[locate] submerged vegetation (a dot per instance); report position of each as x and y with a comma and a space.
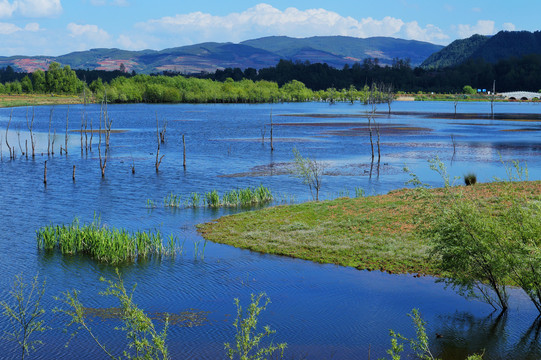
105, 244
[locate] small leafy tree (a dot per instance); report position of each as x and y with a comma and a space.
144, 341
25, 314
419, 344
468, 90
309, 171
467, 239
247, 341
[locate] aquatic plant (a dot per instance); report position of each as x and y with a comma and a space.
359, 192
195, 199
25, 314
144, 341
232, 198
247, 341
212, 198
172, 200
150, 204
198, 251
309, 171
101, 243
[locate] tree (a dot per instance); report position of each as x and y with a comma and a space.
38, 81
26, 85
309, 171
246, 340
471, 241
468, 90
25, 314
144, 340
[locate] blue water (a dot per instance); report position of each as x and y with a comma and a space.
321, 311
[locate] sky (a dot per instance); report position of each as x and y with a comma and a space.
56, 27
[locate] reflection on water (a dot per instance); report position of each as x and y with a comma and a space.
321, 311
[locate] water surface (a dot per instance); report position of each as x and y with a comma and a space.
321, 311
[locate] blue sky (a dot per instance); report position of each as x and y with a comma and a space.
55, 27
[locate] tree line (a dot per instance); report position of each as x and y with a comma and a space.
511, 74
287, 81
137, 88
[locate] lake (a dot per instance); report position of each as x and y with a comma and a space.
321, 311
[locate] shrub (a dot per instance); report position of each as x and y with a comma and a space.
470, 179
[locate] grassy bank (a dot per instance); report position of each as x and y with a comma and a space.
38, 99
378, 232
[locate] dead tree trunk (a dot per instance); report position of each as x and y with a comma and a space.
162, 133
91, 135
45, 173
49, 133
158, 158
30, 127
11, 153
183, 152
371, 140
52, 144
107, 123
19, 140
82, 129
377, 132
66, 138
271, 128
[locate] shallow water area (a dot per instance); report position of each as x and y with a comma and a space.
321, 311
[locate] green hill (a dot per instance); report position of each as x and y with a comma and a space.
502, 46
336, 51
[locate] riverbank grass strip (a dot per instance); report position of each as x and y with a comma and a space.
104, 244
377, 232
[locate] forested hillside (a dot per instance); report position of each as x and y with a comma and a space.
502, 46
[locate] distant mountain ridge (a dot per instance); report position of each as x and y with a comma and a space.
501, 46
259, 53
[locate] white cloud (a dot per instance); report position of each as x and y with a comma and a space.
265, 20
7, 28
30, 8
476, 9
39, 8
125, 42
6, 8
113, 2
483, 27
33, 27
430, 33
88, 36
509, 26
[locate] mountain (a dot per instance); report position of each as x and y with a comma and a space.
336, 51
344, 49
455, 53
492, 49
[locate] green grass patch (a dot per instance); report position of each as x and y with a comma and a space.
246, 197
105, 244
377, 232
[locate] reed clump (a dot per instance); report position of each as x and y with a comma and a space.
105, 244
233, 198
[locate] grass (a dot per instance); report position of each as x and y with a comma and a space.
105, 244
38, 99
376, 232
239, 197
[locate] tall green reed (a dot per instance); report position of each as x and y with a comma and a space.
104, 244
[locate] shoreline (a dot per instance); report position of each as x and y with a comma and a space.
381, 232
